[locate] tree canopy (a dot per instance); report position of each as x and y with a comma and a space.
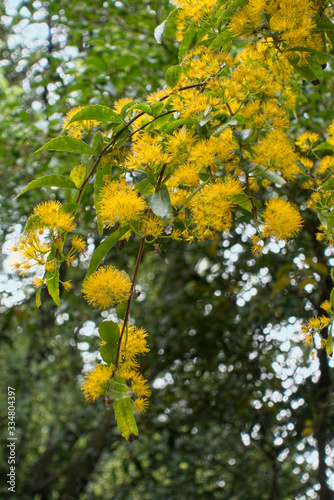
168, 169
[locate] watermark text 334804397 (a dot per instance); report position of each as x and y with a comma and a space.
11, 440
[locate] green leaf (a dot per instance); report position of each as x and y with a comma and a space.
118, 389
52, 282
78, 175
161, 205
327, 26
69, 208
142, 107
177, 124
108, 353
68, 144
323, 145
242, 135
54, 180
109, 332
98, 142
95, 112
332, 274
328, 185
126, 420
124, 111
243, 201
104, 248
121, 310
156, 109
220, 40
188, 41
271, 176
331, 298
306, 72
173, 75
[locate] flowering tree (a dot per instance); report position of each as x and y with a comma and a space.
212, 148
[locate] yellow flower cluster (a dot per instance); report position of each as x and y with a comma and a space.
96, 382
292, 21
120, 202
99, 381
211, 207
276, 152
49, 223
191, 10
282, 220
106, 287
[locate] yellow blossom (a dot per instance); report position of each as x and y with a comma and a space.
282, 219
96, 381
118, 105
153, 226
50, 215
120, 202
78, 243
327, 163
140, 405
67, 285
326, 305
306, 140
106, 287
276, 152
38, 282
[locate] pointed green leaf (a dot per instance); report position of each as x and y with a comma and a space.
242, 135
161, 205
95, 112
271, 176
109, 332
52, 282
104, 248
68, 144
108, 353
49, 180
332, 274
177, 124
220, 40
98, 142
126, 420
140, 106
243, 201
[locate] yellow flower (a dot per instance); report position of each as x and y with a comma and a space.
120, 202
153, 226
327, 163
306, 140
118, 105
67, 285
276, 152
106, 287
282, 219
78, 243
326, 305
139, 385
140, 405
50, 215
96, 381
38, 282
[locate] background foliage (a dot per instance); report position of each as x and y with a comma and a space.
239, 410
